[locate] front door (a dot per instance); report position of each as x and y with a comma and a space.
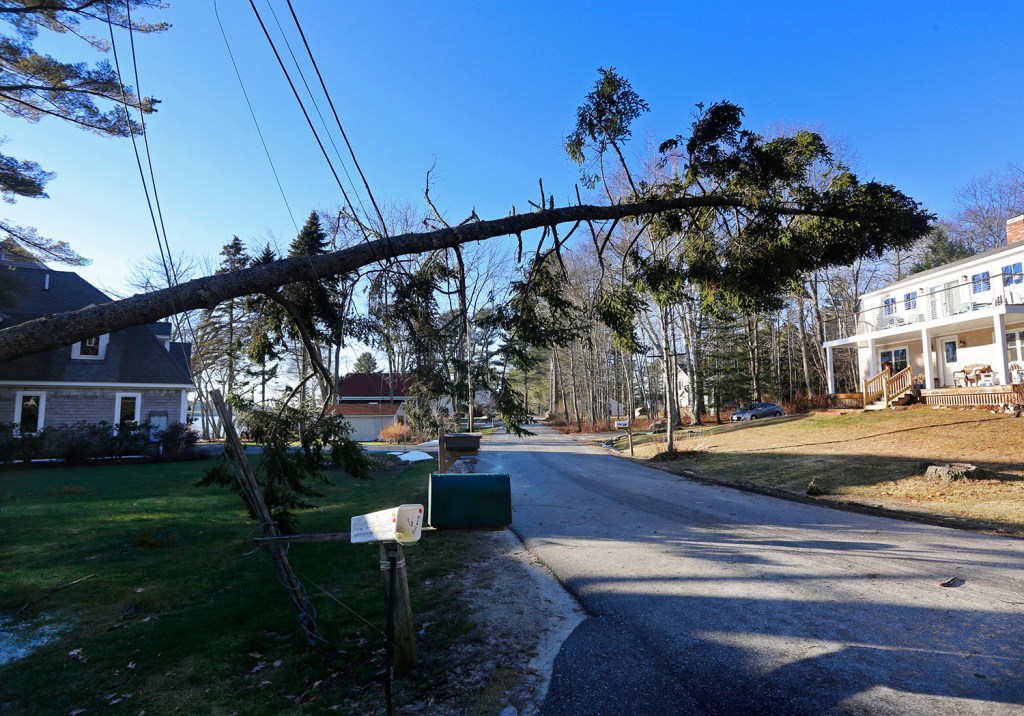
948, 358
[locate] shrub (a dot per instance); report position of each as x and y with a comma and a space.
397, 433
804, 404
8, 444
78, 443
131, 438
177, 439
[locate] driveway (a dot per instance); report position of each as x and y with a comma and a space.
708, 600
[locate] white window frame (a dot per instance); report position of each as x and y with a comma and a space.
76, 349
117, 407
19, 396
892, 351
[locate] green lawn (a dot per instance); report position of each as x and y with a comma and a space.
179, 615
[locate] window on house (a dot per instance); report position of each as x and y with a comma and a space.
126, 408
897, 358
910, 301
1013, 273
1015, 347
980, 282
889, 306
28, 412
91, 348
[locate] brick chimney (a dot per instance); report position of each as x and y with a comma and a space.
1015, 229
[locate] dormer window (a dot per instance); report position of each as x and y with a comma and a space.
91, 348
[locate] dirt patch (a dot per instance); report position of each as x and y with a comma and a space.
520, 617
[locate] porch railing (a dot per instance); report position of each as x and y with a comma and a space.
897, 385
1003, 289
886, 386
875, 387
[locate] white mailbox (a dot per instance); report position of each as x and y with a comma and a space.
621, 424
402, 524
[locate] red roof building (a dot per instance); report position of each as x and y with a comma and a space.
375, 387
352, 408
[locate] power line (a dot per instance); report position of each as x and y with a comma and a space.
316, 106
334, 111
166, 261
312, 128
252, 113
135, 146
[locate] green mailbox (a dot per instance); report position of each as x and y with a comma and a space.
460, 501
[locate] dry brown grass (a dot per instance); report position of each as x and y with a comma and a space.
874, 458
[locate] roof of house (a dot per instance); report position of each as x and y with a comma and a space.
364, 386
12, 254
133, 356
365, 408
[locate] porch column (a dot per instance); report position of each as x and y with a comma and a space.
830, 370
872, 369
1002, 362
929, 369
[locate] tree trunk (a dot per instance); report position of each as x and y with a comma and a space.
575, 393
803, 345
56, 330
671, 416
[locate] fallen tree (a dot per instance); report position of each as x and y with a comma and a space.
864, 231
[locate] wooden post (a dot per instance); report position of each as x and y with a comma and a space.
441, 457
254, 498
403, 635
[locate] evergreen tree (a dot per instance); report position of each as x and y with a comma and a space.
940, 249
35, 85
220, 329
365, 363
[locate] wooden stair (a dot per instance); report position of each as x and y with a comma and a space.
885, 391
903, 399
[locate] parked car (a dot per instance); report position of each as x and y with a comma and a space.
757, 410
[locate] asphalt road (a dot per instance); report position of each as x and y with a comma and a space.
710, 600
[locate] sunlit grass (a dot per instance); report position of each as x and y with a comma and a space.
874, 457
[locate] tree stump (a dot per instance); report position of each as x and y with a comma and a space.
956, 471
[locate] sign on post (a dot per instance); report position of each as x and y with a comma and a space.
621, 424
402, 524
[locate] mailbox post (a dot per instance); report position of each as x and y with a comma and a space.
451, 447
627, 425
392, 528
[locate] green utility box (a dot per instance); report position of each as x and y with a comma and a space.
469, 501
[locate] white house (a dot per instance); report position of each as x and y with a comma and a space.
938, 322
368, 419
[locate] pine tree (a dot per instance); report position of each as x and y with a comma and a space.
35, 85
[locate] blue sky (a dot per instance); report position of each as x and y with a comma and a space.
926, 94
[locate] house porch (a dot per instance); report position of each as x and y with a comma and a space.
937, 350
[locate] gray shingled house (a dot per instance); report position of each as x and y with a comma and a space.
134, 374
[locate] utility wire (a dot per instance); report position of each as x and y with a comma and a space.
135, 146
252, 113
323, 85
166, 261
145, 142
312, 128
316, 106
